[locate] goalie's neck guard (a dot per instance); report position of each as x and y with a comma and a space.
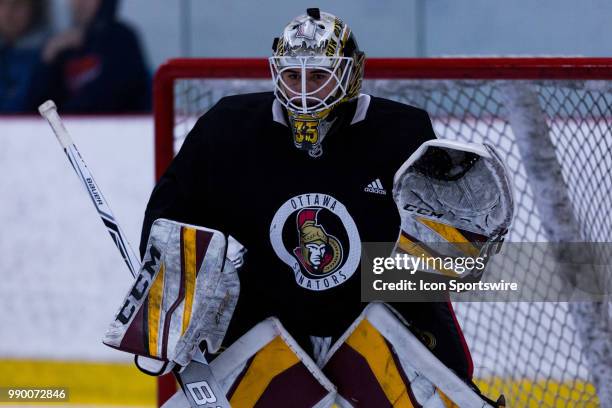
309, 131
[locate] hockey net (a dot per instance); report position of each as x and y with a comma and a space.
540, 354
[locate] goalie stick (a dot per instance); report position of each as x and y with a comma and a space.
196, 379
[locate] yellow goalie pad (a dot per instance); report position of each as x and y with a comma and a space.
378, 362
266, 368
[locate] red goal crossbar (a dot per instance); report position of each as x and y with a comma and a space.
375, 68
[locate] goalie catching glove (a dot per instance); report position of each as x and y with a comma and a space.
185, 293
455, 201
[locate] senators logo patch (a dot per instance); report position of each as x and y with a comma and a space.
316, 236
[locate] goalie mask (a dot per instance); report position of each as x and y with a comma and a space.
316, 67
455, 203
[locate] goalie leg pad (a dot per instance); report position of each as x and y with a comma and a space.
267, 368
185, 293
379, 362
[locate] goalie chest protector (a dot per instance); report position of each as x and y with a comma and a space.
302, 219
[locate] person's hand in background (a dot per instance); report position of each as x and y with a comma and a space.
72, 38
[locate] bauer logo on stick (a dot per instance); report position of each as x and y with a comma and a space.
201, 392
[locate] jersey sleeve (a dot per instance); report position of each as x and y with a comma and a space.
436, 321
427, 132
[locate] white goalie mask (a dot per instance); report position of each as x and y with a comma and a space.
316, 66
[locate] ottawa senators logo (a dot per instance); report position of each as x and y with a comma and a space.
319, 252
315, 235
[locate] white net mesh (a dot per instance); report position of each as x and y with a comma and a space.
533, 352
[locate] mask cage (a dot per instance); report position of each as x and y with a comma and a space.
298, 100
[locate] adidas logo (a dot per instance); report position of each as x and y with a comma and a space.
375, 187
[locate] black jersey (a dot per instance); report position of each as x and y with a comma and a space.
302, 219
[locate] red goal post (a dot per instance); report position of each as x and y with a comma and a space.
550, 363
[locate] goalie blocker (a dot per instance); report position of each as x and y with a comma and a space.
184, 294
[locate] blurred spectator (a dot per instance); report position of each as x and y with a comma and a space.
97, 66
23, 26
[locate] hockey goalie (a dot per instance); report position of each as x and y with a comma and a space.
252, 241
